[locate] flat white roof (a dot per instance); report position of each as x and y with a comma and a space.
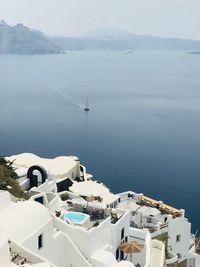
58, 166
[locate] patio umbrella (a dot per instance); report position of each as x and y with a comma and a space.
89, 188
131, 247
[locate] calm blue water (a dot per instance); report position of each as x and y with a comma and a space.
143, 130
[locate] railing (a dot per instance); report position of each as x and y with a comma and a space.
124, 195
158, 227
171, 258
159, 205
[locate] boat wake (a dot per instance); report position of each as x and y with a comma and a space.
66, 98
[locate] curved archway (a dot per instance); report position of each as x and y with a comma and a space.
34, 178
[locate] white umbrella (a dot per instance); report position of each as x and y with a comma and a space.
147, 211
88, 189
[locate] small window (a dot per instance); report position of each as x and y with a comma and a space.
126, 238
40, 241
117, 254
179, 255
40, 200
122, 233
165, 219
121, 255
178, 238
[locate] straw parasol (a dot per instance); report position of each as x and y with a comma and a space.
131, 247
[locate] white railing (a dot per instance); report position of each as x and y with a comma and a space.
124, 195
172, 258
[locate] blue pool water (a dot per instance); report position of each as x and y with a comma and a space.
76, 217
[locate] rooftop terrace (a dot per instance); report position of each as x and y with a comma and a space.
147, 212
79, 212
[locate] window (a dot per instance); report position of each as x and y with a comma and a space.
40, 241
126, 238
121, 255
122, 233
179, 255
40, 200
117, 254
148, 219
178, 238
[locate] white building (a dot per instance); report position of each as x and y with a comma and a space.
84, 225
164, 223
11, 255
48, 174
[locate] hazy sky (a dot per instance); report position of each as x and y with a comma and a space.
176, 18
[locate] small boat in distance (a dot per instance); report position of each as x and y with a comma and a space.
127, 52
87, 108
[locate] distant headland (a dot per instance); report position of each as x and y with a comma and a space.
20, 39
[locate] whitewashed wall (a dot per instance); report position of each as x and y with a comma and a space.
182, 227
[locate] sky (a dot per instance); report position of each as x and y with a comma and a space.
165, 18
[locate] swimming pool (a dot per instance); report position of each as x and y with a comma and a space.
76, 217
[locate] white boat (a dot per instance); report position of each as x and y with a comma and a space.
128, 52
87, 108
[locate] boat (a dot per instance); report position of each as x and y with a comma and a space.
86, 108
127, 52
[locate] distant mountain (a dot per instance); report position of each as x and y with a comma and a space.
116, 39
108, 33
22, 40
133, 43
194, 53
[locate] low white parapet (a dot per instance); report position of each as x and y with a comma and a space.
124, 195
158, 253
172, 258
29, 255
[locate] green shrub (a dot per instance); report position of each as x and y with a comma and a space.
8, 179
64, 196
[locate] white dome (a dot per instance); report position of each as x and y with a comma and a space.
21, 219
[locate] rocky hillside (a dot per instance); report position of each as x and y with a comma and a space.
22, 40
8, 180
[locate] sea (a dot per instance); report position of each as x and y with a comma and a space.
142, 132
